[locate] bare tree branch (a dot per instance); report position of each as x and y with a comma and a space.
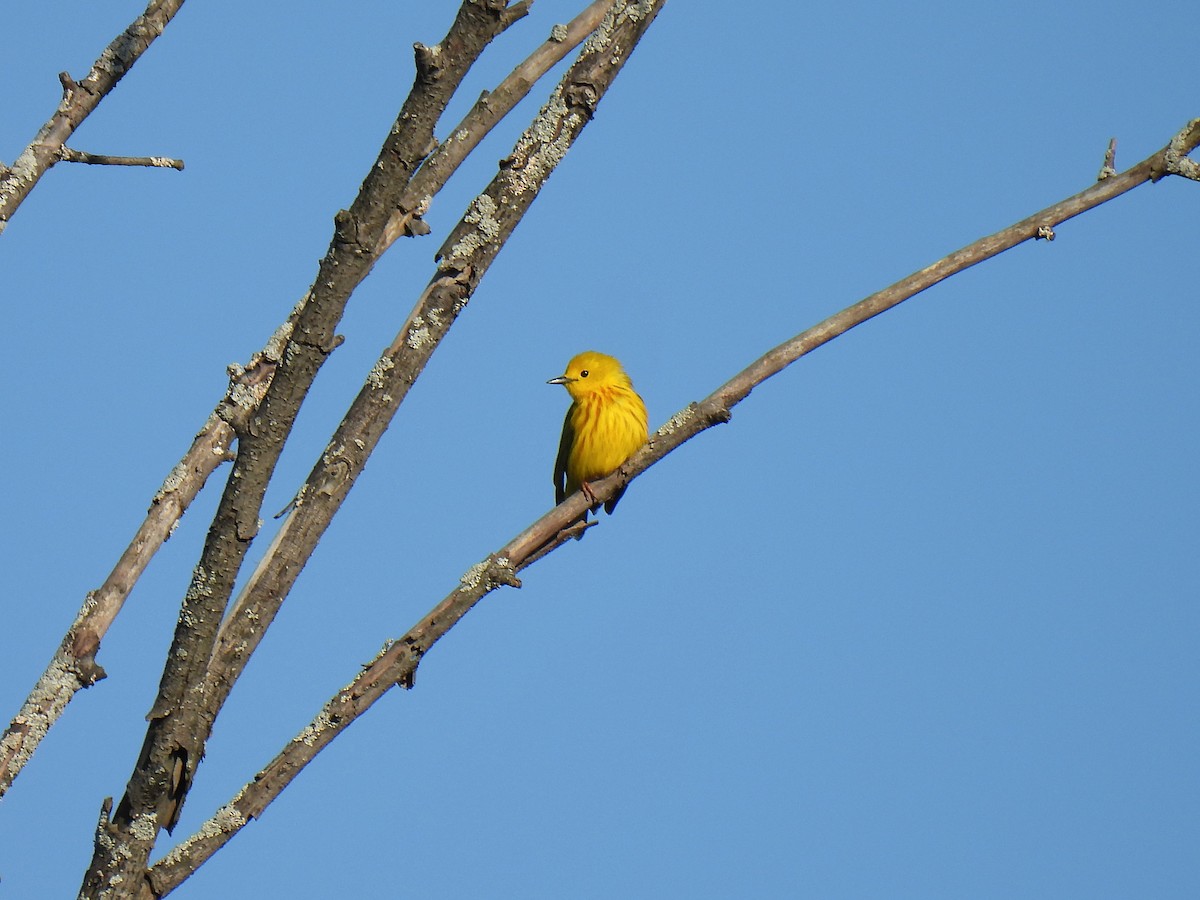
66, 154
78, 101
469, 251
182, 718
209, 658
73, 667
487, 111
472, 247
397, 662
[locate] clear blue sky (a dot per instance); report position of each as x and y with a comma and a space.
921, 621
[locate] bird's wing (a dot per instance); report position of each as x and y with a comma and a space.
560, 464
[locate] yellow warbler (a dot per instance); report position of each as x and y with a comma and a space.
606, 423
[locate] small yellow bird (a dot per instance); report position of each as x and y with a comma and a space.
606, 423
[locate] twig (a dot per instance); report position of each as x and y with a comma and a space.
73, 666
397, 662
78, 101
1110, 161
66, 154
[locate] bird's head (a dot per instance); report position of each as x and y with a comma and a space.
589, 372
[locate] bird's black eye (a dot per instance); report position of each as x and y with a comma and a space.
583, 374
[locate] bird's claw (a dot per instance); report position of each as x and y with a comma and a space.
588, 493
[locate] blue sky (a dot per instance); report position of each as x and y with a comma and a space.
921, 621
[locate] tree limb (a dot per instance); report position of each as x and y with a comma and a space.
474, 244
397, 662
470, 249
78, 101
73, 667
181, 718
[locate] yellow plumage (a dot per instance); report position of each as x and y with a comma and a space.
606, 423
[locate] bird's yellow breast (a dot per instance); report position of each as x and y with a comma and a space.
608, 425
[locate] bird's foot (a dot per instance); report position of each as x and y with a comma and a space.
588, 493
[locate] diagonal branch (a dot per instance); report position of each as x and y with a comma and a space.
473, 245
73, 667
78, 101
487, 111
181, 718
397, 662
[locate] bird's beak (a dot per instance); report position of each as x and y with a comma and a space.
561, 379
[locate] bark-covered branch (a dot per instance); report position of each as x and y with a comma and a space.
474, 244
487, 111
78, 100
73, 666
67, 154
397, 662
469, 251
182, 716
